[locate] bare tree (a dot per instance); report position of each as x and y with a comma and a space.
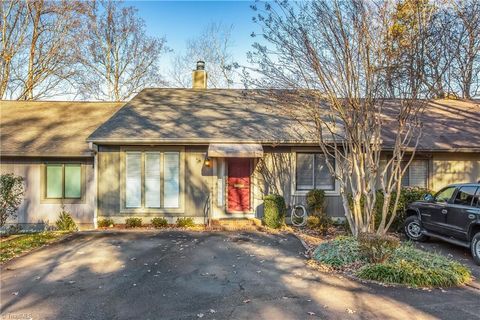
213, 46
334, 60
14, 25
466, 33
117, 58
37, 41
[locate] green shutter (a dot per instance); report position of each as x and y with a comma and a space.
54, 181
73, 181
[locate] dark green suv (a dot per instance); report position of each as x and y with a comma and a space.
452, 215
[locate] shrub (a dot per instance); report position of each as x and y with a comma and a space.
320, 223
185, 222
159, 222
338, 252
376, 248
133, 222
11, 195
316, 202
417, 268
275, 211
65, 221
407, 196
105, 223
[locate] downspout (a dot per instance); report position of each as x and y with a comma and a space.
94, 149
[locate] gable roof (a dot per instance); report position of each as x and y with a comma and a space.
198, 117
50, 128
188, 116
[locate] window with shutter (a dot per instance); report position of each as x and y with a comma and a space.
416, 174
323, 179
312, 172
304, 171
152, 179
172, 180
133, 183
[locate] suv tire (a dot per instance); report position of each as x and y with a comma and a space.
475, 247
413, 229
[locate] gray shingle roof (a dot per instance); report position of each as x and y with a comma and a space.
220, 115
50, 128
198, 116
186, 116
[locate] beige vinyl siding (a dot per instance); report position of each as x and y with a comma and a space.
447, 168
35, 208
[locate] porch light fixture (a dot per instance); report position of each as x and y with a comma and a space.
207, 162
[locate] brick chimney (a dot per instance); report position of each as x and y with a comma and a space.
200, 76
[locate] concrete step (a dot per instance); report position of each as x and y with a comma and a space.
235, 224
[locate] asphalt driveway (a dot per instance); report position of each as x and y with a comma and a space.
182, 275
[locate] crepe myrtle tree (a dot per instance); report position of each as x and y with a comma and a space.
334, 60
11, 196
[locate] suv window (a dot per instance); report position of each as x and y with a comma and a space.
444, 195
465, 196
476, 199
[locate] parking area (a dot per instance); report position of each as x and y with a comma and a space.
458, 253
208, 275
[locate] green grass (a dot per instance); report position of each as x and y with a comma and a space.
10, 248
407, 265
417, 268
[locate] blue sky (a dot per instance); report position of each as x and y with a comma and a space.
179, 21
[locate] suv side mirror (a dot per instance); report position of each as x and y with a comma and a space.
428, 197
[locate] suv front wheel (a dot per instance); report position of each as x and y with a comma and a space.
413, 229
475, 247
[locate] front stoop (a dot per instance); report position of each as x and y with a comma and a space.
231, 224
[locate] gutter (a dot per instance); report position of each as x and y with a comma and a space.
46, 155
94, 149
199, 141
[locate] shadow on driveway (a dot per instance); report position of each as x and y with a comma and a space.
187, 275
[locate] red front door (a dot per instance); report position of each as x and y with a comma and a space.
238, 187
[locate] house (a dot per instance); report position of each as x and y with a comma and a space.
196, 152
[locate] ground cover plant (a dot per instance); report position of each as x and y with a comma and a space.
393, 263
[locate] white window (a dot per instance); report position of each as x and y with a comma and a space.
312, 172
133, 181
416, 174
172, 181
152, 179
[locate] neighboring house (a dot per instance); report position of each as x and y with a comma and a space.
191, 152
45, 142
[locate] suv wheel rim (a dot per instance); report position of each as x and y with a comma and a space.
414, 230
477, 248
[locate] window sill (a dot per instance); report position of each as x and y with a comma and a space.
305, 192
151, 211
62, 201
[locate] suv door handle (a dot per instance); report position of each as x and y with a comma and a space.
444, 211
